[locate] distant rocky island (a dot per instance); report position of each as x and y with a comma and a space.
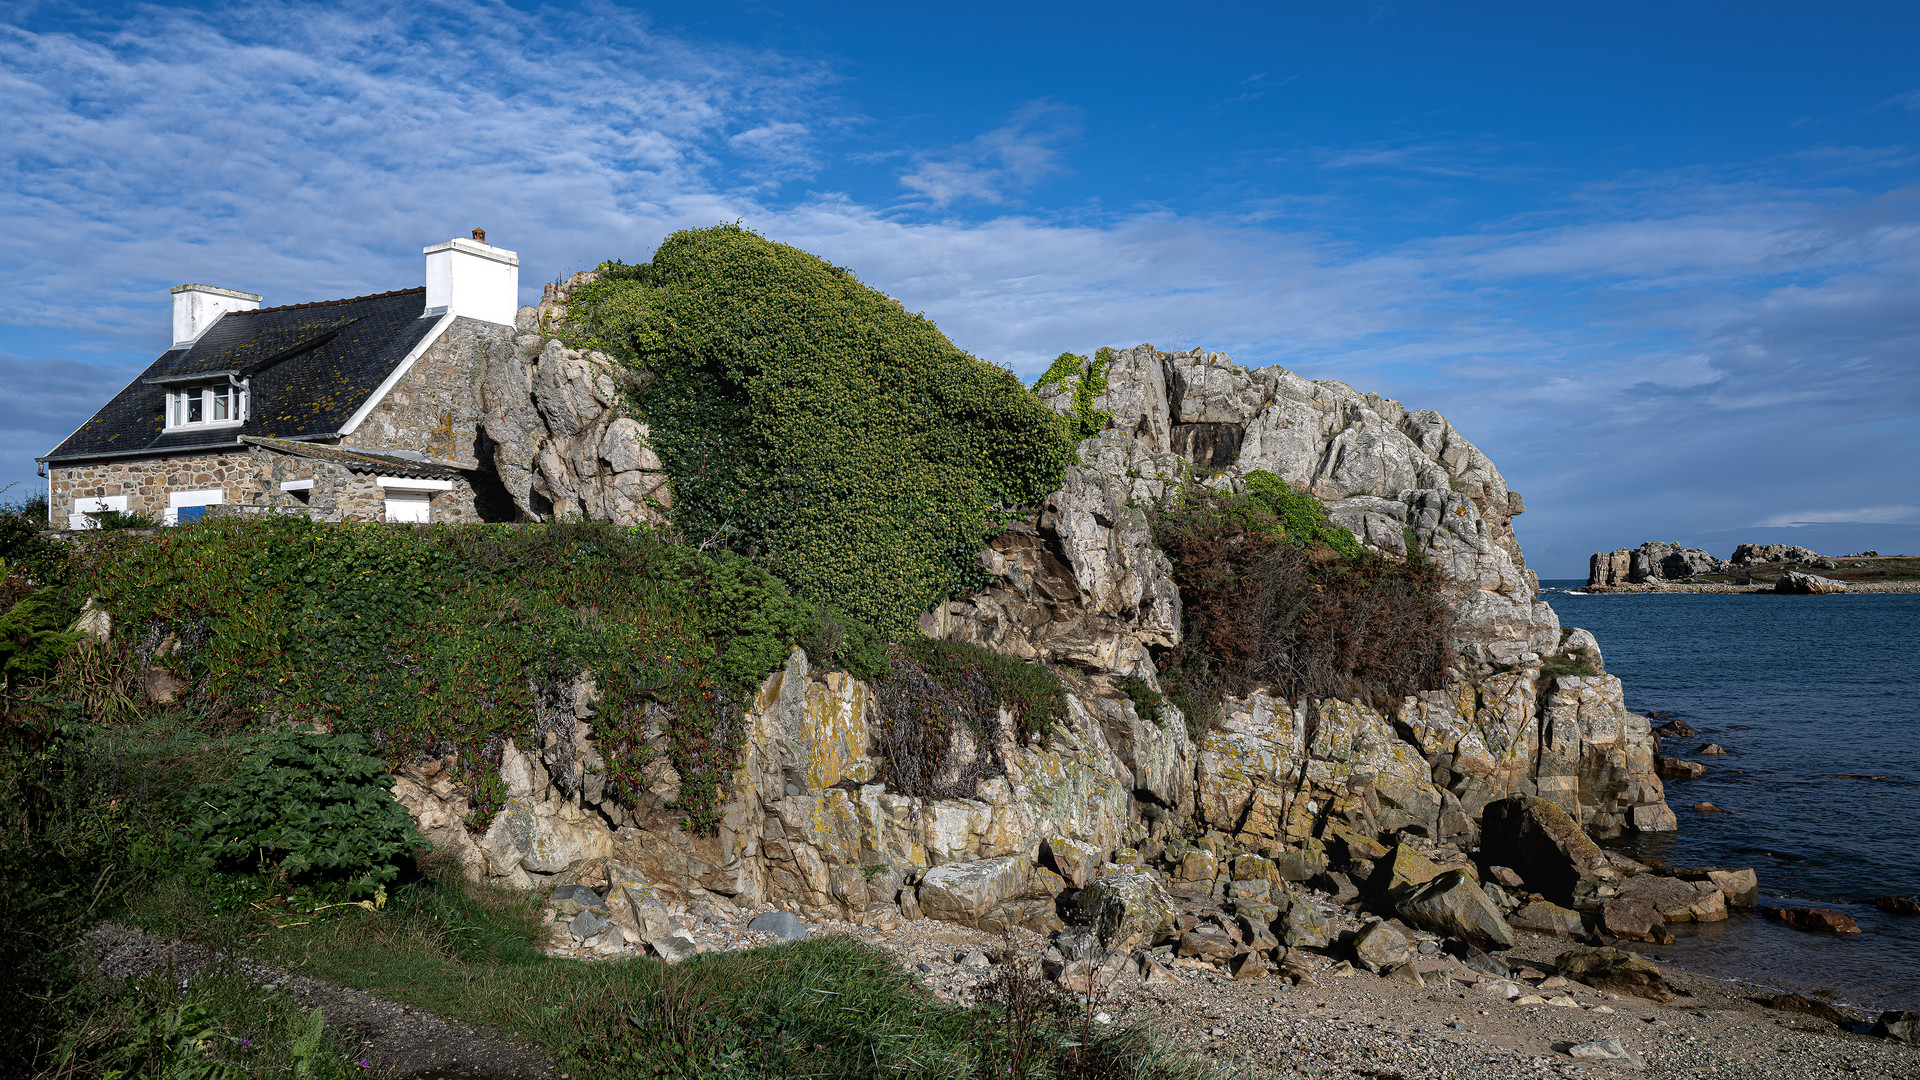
1658, 566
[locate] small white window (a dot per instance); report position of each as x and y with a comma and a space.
187, 506
219, 405
409, 506
410, 499
86, 512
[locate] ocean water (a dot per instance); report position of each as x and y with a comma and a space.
1816, 700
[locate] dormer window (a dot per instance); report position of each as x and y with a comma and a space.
219, 405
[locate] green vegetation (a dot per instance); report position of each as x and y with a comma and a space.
1275, 596
1302, 517
304, 807
814, 425
1086, 380
437, 640
87, 808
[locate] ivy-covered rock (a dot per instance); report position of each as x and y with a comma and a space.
817, 426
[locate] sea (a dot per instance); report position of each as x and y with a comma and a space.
1816, 700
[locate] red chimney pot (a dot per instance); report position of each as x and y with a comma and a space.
480, 235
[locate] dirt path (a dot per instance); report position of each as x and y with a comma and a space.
401, 1042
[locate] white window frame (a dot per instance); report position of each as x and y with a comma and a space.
178, 500
208, 395
84, 510
412, 494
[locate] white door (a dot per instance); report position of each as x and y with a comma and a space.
409, 506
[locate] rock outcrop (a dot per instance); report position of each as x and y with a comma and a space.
1772, 553
1080, 818
1794, 583
1653, 561
553, 428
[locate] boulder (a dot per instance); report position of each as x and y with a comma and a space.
1800, 1003
1898, 905
1615, 970
1634, 920
1711, 750
1608, 1049
1898, 1024
1817, 920
1403, 870
635, 906
781, 924
1676, 900
1453, 905
1545, 917
1072, 860
1740, 886
1197, 865
1675, 729
1795, 583
964, 892
1208, 945
1674, 768
1505, 877
1249, 965
1306, 926
1129, 909
673, 948
1378, 946
1542, 843
570, 900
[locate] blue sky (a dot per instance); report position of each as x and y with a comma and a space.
1660, 261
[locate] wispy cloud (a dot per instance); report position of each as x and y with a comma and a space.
1865, 515
1001, 164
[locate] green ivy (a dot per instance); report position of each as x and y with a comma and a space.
432, 640
1086, 380
1303, 517
815, 425
309, 808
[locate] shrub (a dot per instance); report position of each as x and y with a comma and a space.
308, 808
1302, 517
937, 687
34, 638
1270, 600
816, 426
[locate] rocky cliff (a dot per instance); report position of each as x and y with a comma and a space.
1083, 589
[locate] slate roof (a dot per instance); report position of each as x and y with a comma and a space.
311, 366
384, 462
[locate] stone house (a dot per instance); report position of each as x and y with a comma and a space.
404, 406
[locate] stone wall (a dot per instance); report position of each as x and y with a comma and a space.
434, 409
250, 481
146, 481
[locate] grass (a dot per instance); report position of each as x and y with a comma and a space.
828, 1007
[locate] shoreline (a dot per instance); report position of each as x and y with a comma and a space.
1717, 587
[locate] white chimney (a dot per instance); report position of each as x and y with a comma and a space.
474, 279
196, 307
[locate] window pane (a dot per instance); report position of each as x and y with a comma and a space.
173, 410
220, 401
195, 407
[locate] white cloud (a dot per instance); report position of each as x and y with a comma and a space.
999, 165
1863, 515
